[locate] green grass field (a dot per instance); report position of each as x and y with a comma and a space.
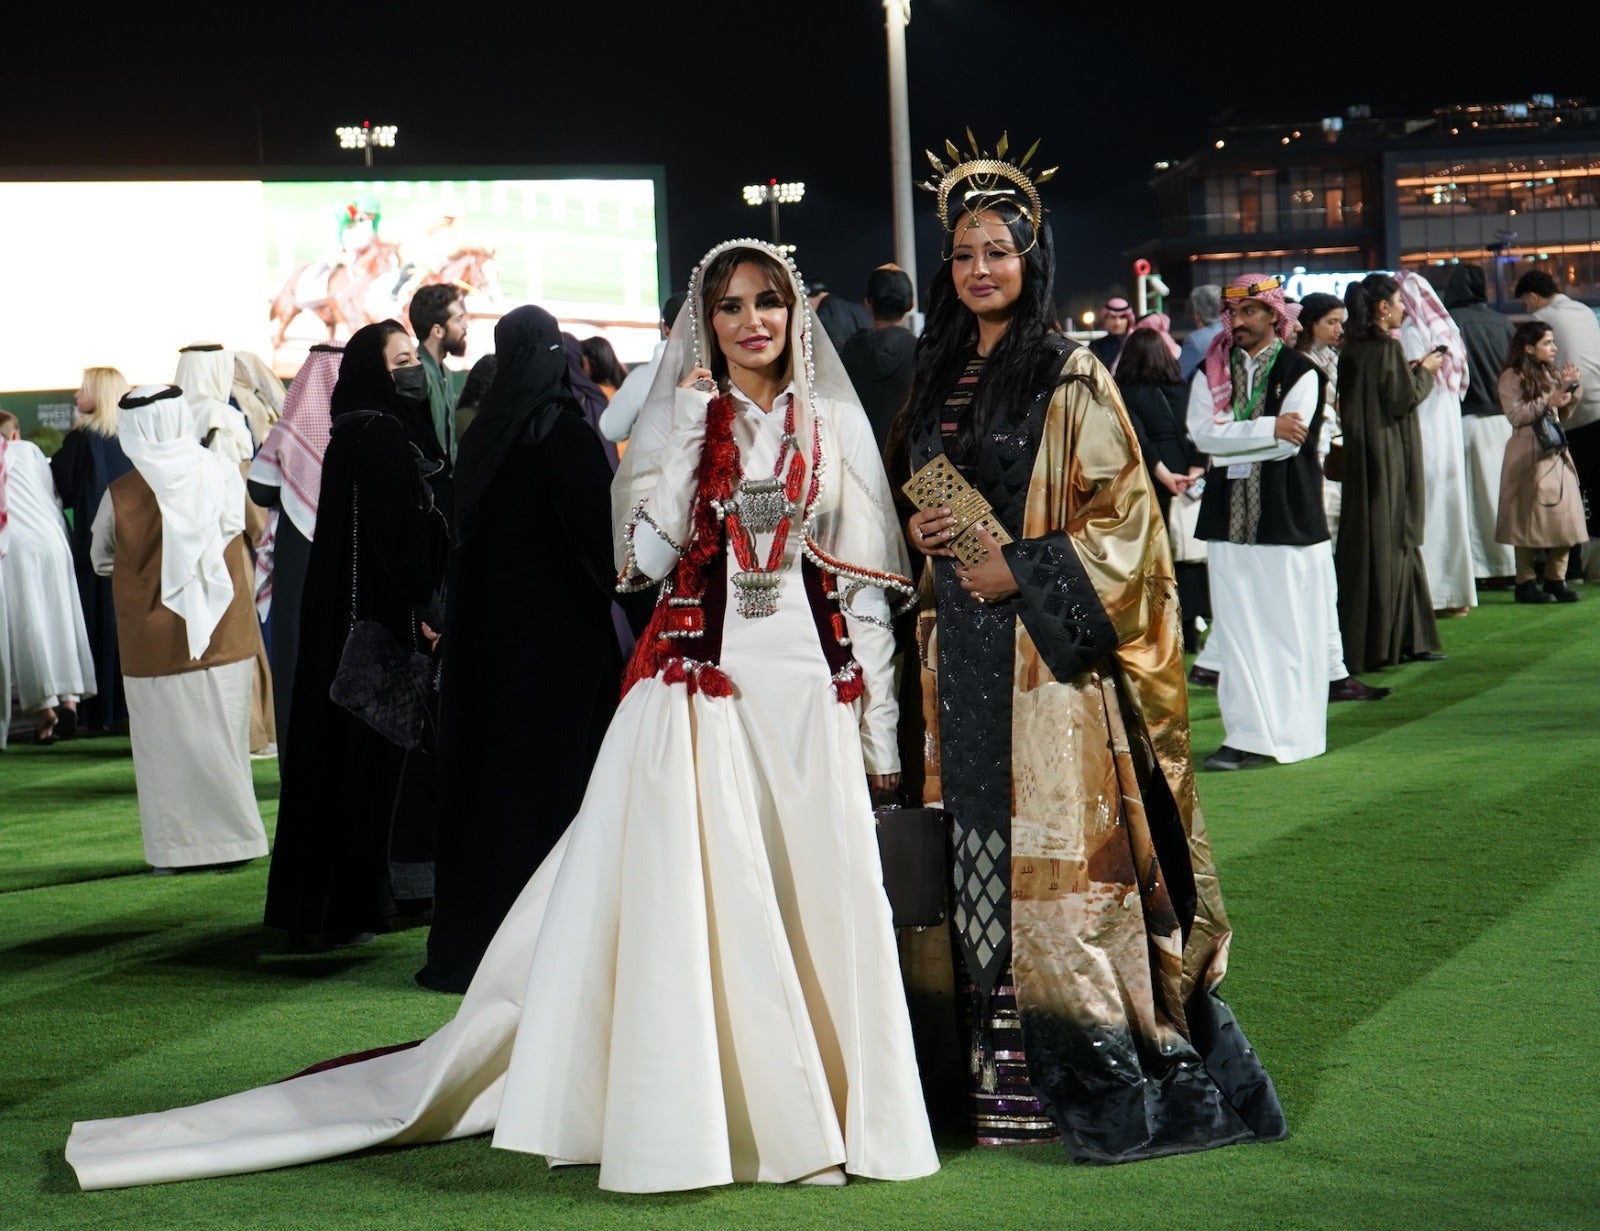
1415, 958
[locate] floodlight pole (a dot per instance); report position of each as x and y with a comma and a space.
365, 137
897, 15
774, 194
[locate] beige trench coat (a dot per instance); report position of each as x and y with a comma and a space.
1539, 501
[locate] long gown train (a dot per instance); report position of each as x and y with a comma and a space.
698, 986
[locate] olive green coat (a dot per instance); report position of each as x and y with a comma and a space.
1385, 610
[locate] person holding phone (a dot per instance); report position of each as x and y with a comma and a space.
1385, 606
1429, 330
1156, 398
1540, 508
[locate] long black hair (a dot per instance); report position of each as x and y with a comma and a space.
1146, 360
1537, 378
1361, 301
1019, 361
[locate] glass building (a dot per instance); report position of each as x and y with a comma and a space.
1525, 208
1510, 186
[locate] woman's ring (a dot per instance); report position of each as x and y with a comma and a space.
705, 384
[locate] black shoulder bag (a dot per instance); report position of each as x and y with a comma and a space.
381, 683
1548, 433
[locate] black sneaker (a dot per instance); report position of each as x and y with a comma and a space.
1560, 591
1235, 758
1529, 592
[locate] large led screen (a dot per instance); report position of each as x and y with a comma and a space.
125, 273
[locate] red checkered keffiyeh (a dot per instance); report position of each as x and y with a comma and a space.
290, 458
1428, 325
291, 455
1265, 289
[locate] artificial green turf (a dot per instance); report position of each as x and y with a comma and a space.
1415, 954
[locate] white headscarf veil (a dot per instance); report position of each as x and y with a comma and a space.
205, 374
258, 392
201, 498
851, 528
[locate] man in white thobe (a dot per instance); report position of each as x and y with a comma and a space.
169, 534
1253, 407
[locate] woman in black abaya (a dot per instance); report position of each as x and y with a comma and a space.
530, 593
354, 845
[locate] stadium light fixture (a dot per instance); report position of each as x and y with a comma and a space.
365, 136
774, 194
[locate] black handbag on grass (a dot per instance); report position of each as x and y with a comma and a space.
914, 847
378, 680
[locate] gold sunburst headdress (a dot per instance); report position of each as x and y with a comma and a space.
986, 177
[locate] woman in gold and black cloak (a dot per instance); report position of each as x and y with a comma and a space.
1089, 929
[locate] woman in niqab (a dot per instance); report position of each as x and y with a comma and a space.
529, 621
353, 851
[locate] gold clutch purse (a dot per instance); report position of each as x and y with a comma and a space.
939, 485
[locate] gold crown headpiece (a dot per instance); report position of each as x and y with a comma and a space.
986, 175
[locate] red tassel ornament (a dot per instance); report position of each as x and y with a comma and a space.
850, 685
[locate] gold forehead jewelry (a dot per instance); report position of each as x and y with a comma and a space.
986, 175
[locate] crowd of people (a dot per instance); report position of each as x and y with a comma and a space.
1363, 467
737, 598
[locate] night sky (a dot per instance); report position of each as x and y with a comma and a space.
727, 94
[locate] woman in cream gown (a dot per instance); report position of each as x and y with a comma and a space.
700, 985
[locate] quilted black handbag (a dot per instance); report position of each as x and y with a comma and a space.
1548, 434
914, 847
378, 680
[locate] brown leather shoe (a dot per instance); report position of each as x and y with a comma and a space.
1202, 676
1352, 689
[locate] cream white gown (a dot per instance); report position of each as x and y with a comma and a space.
699, 986
49, 643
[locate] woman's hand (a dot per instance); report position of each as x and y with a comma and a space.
1174, 483
991, 581
1567, 374
931, 530
1431, 362
431, 636
883, 788
695, 376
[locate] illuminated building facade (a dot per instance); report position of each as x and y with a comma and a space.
1511, 186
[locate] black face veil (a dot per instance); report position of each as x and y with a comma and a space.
529, 391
